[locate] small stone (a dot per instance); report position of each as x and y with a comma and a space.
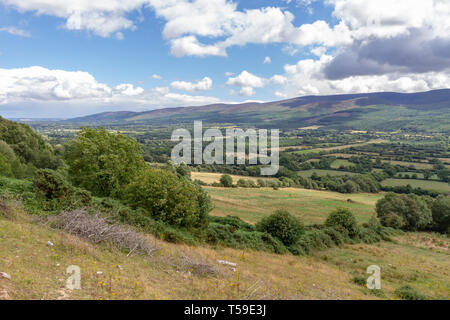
5, 275
4, 294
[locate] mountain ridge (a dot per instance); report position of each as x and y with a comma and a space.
306, 110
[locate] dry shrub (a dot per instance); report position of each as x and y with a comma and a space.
98, 229
198, 268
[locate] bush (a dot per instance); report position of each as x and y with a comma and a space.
226, 181
55, 193
52, 184
409, 293
412, 209
283, 226
168, 198
343, 218
441, 214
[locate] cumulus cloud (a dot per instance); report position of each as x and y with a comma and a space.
157, 77
247, 79
102, 17
308, 77
267, 60
221, 20
201, 85
39, 86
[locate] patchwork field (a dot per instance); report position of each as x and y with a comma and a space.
311, 206
321, 172
343, 147
429, 185
209, 178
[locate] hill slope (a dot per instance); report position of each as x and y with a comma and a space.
386, 110
38, 271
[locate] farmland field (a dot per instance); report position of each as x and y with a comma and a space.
311, 206
429, 185
321, 172
209, 178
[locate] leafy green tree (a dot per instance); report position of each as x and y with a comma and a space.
343, 218
29, 147
226, 181
283, 226
103, 162
169, 198
414, 211
441, 213
427, 174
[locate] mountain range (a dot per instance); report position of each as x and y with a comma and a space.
426, 111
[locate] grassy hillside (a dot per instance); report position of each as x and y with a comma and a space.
38, 271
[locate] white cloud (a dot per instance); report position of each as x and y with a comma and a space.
247, 91
190, 46
201, 85
267, 60
157, 77
39, 86
102, 17
246, 79
220, 19
278, 79
248, 82
128, 90
307, 77
15, 31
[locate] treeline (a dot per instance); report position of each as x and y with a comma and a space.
22, 151
415, 213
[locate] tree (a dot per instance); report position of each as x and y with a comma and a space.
226, 181
441, 213
102, 162
413, 210
343, 218
283, 226
169, 198
427, 174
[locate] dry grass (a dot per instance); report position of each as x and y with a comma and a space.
38, 271
98, 229
210, 178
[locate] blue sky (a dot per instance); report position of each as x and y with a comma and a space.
64, 59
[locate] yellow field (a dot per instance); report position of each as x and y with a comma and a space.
38, 271
209, 178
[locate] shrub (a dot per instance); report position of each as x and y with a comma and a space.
243, 183
359, 280
409, 293
441, 214
55, 193
226, 181
283, 226
393, 221
414, 211
168, 198
345, 219
51, 183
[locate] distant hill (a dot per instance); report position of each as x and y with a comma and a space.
382, 111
